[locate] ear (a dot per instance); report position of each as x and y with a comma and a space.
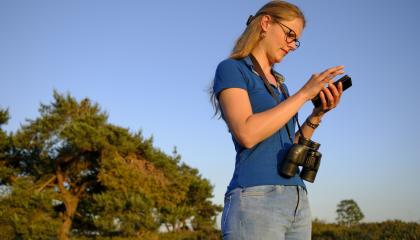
265, 22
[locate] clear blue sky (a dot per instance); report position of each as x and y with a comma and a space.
148, 64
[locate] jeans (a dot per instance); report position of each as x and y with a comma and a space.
266, 212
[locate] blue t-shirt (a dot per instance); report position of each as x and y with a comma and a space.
257, 165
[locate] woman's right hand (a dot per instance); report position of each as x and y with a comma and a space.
317, 81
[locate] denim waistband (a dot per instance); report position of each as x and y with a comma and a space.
244, 189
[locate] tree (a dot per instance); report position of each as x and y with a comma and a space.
71, 173
4, 117
20, 217
100, 178
5, 145
348, 213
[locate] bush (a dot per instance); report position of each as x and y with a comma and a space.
389, 230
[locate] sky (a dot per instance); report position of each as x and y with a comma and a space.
148, 64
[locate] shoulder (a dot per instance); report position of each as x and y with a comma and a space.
229, 64
229, 74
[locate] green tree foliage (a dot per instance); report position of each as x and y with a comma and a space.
4, 117
83, 177
19, 215
390, 230
5, 146
6, 173
27, 213
349, 213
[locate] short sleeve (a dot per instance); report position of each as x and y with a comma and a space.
228, 75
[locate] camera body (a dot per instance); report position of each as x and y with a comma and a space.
345, 80
304, 154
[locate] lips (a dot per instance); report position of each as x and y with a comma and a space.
285, 52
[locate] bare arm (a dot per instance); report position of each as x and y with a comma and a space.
330, 98
251, 128
248, 128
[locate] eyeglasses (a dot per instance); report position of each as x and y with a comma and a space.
290, 34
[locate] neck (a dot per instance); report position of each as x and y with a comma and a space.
262, 59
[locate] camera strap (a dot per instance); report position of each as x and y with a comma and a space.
259, 70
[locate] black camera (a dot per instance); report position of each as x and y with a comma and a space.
345, 80
304, 154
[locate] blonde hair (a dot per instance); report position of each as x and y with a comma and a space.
282, 10
249, 39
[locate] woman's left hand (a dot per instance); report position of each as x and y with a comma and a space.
330, 98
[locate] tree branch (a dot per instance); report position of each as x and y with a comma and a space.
45, 184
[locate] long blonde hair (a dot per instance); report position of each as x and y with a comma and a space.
249, 39
251, 35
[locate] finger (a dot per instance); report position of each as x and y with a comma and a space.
340, 88
323, 101
326, 80
333, 89
334, 71
329, 97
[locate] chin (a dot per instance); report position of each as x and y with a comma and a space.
275, 59
278, 59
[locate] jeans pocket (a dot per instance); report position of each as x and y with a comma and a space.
256, 191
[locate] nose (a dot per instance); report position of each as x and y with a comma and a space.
296, 43
291, 46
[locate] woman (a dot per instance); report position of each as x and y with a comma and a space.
260, 203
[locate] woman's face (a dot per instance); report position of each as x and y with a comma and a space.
281, 38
